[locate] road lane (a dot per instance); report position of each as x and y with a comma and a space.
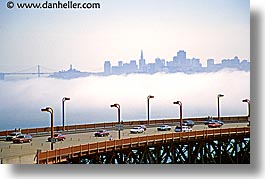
24, 153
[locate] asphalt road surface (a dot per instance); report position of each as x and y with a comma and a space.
25, 153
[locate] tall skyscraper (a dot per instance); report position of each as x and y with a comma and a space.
182, 57
142, 64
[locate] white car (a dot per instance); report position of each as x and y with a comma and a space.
184, 129
164, 128
12, 136
136, 130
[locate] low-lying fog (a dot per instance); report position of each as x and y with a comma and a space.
91, 97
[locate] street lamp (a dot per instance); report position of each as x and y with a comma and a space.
180, 111
63, 100
148, 115
218, 104
119, 116
50, 110
247, 101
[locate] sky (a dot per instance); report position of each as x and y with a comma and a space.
56, 38
119, 30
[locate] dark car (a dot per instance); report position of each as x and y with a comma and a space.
23, 138
12, 136
101, 133
211, 120
189, 123
58, 137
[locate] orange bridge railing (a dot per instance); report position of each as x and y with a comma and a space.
63, 154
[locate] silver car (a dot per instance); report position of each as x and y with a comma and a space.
164, 128
12, 136
136, 130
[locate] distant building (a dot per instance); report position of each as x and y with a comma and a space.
120, 63
210, 63
181, 57
142, 64
245, 65
107, 68
180, 63
69, 74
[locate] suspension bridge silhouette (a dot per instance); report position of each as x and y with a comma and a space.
36, 70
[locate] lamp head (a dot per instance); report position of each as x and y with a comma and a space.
246, 100
47, 109
150, 96
44, 110
66, 98
220, 95
177, 102
115, 105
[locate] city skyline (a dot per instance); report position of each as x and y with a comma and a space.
179, 63
118, 29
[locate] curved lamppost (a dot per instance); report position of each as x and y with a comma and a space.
119, 116
63, 100
248, 102
50, 110
180, 113
148, 115
218, 104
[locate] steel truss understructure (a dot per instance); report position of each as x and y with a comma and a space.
222, 150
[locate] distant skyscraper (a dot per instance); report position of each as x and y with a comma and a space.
142, 64
107, 68
180, 63
195, 62
210, 63
182, 57
133, 66
120, 63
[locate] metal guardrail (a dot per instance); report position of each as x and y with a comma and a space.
80, 127
60, 155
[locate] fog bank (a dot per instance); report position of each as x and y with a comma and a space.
91, 97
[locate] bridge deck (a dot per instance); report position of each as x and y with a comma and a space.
63, 154
84, 134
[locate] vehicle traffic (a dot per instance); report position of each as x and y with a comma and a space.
214, 125
57, 137
12, 136
189, 123
143, 126
101, 133
184, 129
164, 128
22, 138
136, 130
211, 120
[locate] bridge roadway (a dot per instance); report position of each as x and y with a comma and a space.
24, 153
